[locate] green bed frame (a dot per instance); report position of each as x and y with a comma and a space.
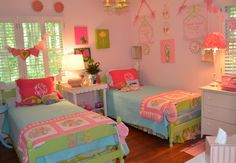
173, 128
61, 143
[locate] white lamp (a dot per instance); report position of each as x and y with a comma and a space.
214, 42
73, 64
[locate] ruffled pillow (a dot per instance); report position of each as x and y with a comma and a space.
50, 99
29, 101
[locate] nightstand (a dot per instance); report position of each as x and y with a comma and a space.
3, 110
218, 111
80, 90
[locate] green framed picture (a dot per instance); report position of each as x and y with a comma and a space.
102, 38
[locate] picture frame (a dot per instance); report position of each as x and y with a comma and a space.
167, 51
207, 56
81, 35
85, 52
102, 38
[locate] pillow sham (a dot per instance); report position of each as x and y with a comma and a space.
35, 87
121, 77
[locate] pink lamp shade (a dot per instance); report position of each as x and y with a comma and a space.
214, 41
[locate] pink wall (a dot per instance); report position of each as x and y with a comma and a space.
188, 72
90, 13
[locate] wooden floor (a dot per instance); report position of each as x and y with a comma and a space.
144, 148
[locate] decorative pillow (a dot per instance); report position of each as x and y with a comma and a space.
35, 87
50, 99
120, 77
132, 82
29, 101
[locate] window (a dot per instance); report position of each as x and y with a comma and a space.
26, 34
230, 57
8, 63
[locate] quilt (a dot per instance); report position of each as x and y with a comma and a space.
39, 132
154, 107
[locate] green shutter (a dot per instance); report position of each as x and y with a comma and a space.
230, 57
8, 63
31, 36
54, 46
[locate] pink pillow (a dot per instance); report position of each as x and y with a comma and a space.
120, 77
35, 87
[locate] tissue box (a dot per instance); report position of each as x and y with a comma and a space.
216, 153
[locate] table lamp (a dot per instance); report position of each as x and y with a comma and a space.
72, 65
214, 42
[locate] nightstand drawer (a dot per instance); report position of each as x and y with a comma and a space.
219, 100
221, 114
210, 127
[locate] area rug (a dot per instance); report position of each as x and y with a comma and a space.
195, 149
198, 159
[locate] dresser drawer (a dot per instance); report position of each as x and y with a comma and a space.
219, 100
221, 114
210, 127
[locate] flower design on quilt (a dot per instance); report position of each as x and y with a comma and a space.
38, 131
157, 102
40, 89
98, 117
71, 122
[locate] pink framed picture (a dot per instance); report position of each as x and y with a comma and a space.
167, 51
85, 52
81, 35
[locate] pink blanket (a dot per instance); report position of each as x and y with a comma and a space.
153, 107
39, 132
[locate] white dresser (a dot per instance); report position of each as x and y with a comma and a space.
218, 111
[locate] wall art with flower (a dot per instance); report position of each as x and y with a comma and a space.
85, 52
167, 51
102, 38
81, 35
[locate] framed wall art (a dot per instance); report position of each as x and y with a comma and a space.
102, 38
81, 35
167, 51
85, 52
207, 56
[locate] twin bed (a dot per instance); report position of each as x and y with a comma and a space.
62, 132
126, 102
127, 106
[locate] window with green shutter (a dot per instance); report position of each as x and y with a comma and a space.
25, 35
31, 36
230, 57
54, 46
8, 63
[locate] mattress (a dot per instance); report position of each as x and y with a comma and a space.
127, 106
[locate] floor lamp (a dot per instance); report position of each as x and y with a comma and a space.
214, 42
